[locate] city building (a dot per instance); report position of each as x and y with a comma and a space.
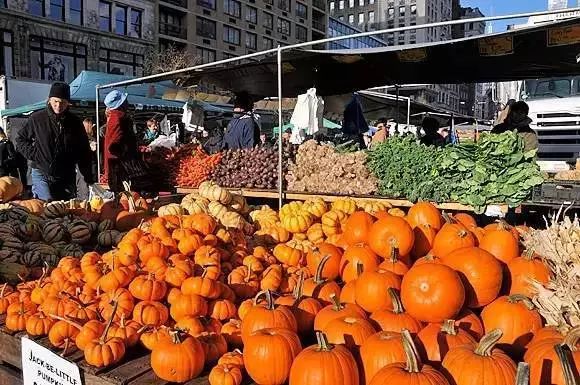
220, 29
54, 40
337, 27
557, 4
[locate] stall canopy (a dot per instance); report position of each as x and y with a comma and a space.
547, 50
141, 96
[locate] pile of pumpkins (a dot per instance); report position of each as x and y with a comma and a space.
423, 298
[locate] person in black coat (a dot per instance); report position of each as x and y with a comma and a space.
55, 142
8, 157
243, 130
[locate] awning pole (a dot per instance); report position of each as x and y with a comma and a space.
98, 133
280, 144
397, 122
408, 112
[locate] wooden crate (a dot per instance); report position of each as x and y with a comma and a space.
134, 369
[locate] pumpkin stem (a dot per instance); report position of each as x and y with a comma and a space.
68, 321
448, 327
448, 218
394, 258
488, 342
318, 275
359, 268
65, 350
109, 323
563, 353
523, 374
516, 298
3, 289
336, 305
298, 289
572, 338
412, 357
528, 255
323, 345
175, 338
396, 300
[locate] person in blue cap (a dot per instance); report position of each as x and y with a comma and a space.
55, 142
120, 141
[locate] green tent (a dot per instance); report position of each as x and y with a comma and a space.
325, 122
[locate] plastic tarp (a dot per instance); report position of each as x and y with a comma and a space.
141, 95
325, 122
547, 50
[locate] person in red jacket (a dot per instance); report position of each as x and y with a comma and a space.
120, 141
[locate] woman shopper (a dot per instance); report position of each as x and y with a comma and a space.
121, 153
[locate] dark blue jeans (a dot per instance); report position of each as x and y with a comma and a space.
48, 189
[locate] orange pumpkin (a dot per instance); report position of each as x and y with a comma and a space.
331, 269
425, 214
357, 228
389, 233
267, 316
371, 290
358, 253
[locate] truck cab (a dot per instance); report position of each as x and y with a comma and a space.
555, 112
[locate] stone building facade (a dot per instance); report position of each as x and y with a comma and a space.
54, 40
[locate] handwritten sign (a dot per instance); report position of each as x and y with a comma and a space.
496, 46
563, 35
413, 55
40, 366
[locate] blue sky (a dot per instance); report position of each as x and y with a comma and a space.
505, 7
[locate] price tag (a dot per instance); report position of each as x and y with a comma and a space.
414, 55
564, 36
40, 366
496, 46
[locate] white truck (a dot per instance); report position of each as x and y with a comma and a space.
19, 92
555, 112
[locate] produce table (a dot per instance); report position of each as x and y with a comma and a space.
299, 196
135, 368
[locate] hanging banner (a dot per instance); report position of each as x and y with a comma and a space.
40, 366
415, 55
563, 36
496, 46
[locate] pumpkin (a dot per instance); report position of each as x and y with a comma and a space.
336, 310
332, 222
411, 372
10, 188
516, 317
350, 331
320, 288
189, 244
115, 278
353, 255
188, 305
346, 205
264, 347
432, 292
324, 364
233, 358
304, 309
151, 336
288, 255
62, 335
214, 346
35, 206
222, 374
425, 214
435, 340
122, 298
471, 323
394, 264
389, 233
451, 237
187, 352
424, 238
480, 272
222, 309
348, 292
147, 288
331, 269
357, 228
269, 316
397, 319
88, 332
316, 207
522, 270
231, 331
170, 209
545, 364
128, 331
150, 313
371, 290
243, 282
297, 222
213, 192
379, 350
38, 324
483, 365
17, 314
201, 286
501, 243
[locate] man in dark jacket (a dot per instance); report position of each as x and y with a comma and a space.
243, 130
517, 119
55, 142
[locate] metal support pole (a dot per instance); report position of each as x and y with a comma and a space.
280, 144
397, 122
97, 121
408, 112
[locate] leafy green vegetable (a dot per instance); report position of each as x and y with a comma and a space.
494, 170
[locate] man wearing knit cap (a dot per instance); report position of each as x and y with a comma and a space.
55, 141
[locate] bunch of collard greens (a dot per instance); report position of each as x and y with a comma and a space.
494, 170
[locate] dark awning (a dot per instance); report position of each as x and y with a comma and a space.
547, 50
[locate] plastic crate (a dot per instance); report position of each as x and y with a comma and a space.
557, 192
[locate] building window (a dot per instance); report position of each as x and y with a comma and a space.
6, 54
232, 8
268, 20
205, 28
206, 55
136, 22
252, 15
361, 3
341, 18
56, 60
170, 24
269, 2
120, 20
371, 2
371, 16
209, 4
361, 18
301, 33
228, 55
36, 7
76, 12
331, 6
105, 16
391, 13
284, 27
284, 5
301, 11
231, 35
268, 43
413, 9
351, 3
340, 4
402, 11
120, 62
251, 40
351, 19
57, 10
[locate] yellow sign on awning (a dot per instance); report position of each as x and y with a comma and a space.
563, 36
496, 46
413, 55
